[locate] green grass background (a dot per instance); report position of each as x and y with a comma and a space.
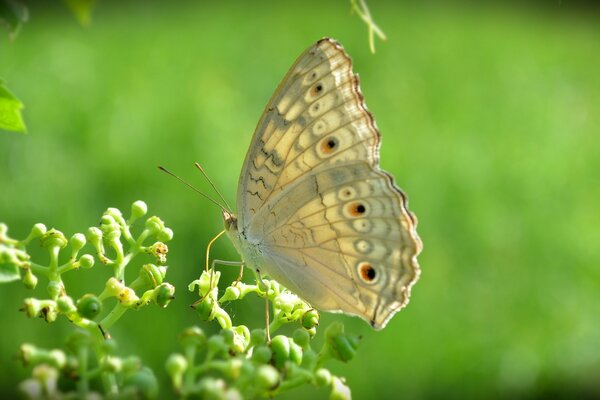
490, 119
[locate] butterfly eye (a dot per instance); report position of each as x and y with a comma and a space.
329, 145
367, 272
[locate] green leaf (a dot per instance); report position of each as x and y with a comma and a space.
82, 10
9, 273
12, 15
10, 111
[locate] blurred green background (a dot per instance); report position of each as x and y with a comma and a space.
490, 118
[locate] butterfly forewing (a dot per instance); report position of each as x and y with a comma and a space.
327, 222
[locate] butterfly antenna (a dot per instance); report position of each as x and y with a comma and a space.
212, 184
226, 209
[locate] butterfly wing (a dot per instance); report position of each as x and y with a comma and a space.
329, 224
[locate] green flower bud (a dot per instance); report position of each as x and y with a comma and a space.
227, 336
141, 385
280, 345
159, 250
216, 345
131, 364
77, 242
261, 354
138, 210
211, 388
31, 307
86, 261
110, 228
29, 279
241, 339
113, 364
205, 308
233, 394
54, 238
150, 276
176, 366
65, 304
322, 377
257, 337
310, 319
155, 224
55, 289
165, 235
163, 294
94, 235
89, 306
38, 230
116, 214
110, 346
266, 378
339, 390
295, 352
302, 338
30, 354
193, 336
231, 293
341, 348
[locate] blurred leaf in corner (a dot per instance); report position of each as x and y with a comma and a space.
82, 10
10, 111
12, 15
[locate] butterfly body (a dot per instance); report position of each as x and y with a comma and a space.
315, 211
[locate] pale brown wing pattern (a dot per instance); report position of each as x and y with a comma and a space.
351, 223
318, 97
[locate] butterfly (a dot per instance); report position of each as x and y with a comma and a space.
315, 211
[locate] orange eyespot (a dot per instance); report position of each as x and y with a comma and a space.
329, 145
356, 209
367, 272
315, 90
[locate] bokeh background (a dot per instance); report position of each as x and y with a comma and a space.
490, 118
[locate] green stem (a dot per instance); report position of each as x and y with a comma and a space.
112, 317
82, 383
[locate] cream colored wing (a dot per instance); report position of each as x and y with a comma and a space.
319, 96
350, 246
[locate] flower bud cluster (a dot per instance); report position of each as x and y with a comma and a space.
249, 364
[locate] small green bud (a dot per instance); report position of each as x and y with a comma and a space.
113, 364
322, 377
155, 224
241, 339
29, 279
205, 308
110, 346
227, 336
193, 336
341, 348
116, 214
211, 388
165, 235
141, 385
163, 294
110, 228
257, 337
231, 293
77, 242
131, 364
266, 378
339, 390
94, 235
54, 238
86, 261
55, 289
261, 354
65, 304
38, 230
138, 210
310, 319
280, 345
216, 344
30, 354
151, 276
89, 306
295, 352
176, 366
302, 338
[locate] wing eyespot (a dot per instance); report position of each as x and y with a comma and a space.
367, 272
356, 209
330, 145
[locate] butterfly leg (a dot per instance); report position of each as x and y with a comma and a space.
264, 286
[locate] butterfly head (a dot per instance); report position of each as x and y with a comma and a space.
230, 221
